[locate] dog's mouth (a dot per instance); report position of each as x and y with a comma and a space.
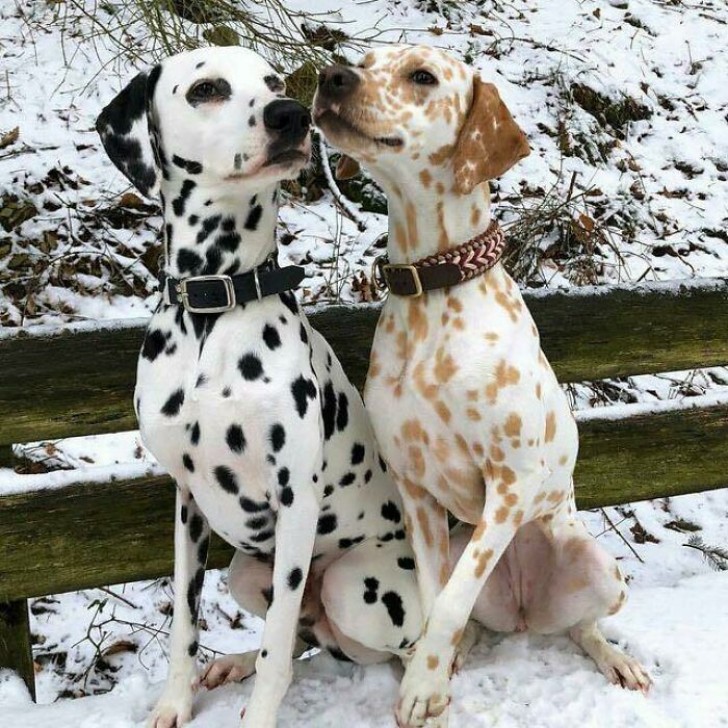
286, 157
335, 125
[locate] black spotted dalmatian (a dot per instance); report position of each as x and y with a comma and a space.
242, 401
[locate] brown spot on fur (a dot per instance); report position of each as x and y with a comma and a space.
513, 424
483, 560
426, 178
501, 514
550, 427
424, 522
432, 662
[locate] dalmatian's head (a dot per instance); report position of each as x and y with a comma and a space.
415, 108
217, 116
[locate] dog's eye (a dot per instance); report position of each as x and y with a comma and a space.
208, 90
423, 78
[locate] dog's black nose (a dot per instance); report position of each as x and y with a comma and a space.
337, 82
287, 118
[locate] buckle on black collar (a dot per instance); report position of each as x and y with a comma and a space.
225, 286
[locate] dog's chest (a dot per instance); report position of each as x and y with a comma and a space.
456, 368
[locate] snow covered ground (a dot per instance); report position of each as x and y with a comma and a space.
626, 105
676, 622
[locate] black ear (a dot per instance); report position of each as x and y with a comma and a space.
125, 128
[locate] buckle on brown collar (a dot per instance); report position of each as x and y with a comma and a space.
403, 279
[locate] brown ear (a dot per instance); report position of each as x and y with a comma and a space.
346, 168
490, 142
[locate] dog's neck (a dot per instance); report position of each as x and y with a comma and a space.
425, 220
211, 230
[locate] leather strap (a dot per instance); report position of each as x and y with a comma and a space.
220, 293
447, 269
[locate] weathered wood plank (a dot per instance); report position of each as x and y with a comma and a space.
81, 383
91, 535
16, 651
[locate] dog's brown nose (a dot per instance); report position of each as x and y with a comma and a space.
337, 82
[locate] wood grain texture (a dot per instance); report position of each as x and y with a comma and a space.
97, 534
15, 649
81, 383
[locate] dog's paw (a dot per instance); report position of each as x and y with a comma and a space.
623, 670
170, 714
423, 694
228, 669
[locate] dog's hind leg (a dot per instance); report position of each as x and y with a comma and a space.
372, 601
250, 580
191, 541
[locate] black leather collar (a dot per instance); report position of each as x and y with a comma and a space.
220, 293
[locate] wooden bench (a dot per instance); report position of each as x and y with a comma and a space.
79, 381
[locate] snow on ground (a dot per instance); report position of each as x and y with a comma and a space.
676, 622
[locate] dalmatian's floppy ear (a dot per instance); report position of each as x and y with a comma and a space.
490, 142
125, 132
346, 168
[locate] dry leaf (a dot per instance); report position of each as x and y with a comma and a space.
119, 647
10, 138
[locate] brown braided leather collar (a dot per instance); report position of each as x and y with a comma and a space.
454, 266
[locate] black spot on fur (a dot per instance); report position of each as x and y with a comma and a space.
251, 120
235, 438
382, 464
289, 301
342, 415
393, 602
187, 462
209, 225
346, 543
226, 479
286, 496
188, 261
257, 523
179, 203
303, 334
277, 437
196, 526
193, 592
154, 342
371, 587
192, 649
391, 512
303, 389
274, 83
328, 410
328, 490
367, 476
192, 220
262, 536
253, 219
173, 405
186, 164
347, 479
195, 434
327, 524
406, 563
250, 367
295, 578
284, 476
357, 453
184, 514
271, 337
250, 506
228, 241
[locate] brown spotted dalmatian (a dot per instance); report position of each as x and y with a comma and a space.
465, 406
242, 401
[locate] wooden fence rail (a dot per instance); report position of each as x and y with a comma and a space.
79, 382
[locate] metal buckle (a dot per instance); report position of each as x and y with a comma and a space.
412, 270
379, 282
227, 283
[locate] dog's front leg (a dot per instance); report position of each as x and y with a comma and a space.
425, 691
429, 536
294, 541
191, 541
